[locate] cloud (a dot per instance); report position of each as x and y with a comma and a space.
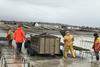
75, 12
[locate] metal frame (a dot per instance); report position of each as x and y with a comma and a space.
5, 57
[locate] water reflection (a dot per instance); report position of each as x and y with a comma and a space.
59, 62
95, 64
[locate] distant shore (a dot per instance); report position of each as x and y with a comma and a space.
42, 30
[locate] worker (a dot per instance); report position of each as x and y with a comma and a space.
68, 44
10, 36
19, 37
96, 45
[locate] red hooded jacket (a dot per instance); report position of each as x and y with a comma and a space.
19, 35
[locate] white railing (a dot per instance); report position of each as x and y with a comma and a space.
11, 55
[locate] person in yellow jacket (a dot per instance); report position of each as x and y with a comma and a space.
96, 45
68, 44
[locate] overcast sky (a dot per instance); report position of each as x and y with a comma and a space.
73, 12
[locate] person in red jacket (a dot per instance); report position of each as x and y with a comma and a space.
10, 36
19, 37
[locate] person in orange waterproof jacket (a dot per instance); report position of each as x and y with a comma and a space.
19, 37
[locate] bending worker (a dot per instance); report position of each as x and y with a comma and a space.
68, 41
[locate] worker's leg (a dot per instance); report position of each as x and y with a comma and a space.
72, 51
19, 46
65, 51
97, 55
10, 42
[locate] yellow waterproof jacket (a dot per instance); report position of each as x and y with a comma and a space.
68, 39
97, 40
96, 45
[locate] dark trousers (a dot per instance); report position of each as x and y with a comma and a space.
19, 47
10, 42
97, 55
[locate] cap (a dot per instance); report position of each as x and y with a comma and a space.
95, 34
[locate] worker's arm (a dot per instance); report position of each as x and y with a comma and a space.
23, 34
72, 39
65, 40
15, 35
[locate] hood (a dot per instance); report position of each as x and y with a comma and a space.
19, 28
